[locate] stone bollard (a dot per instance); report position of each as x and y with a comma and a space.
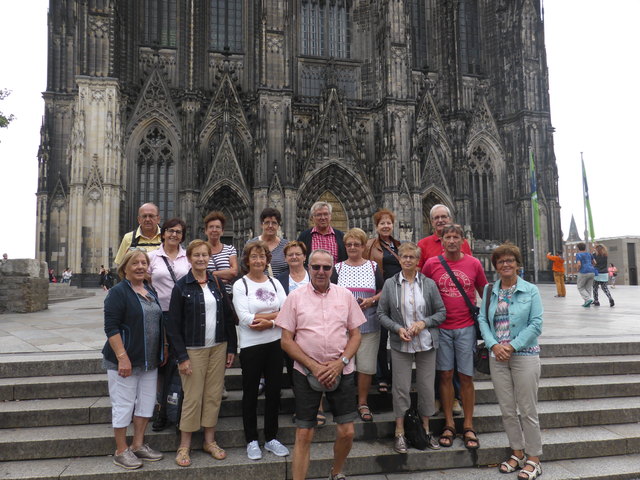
24, 285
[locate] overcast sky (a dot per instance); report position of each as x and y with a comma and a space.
593, 67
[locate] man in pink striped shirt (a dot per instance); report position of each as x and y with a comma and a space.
320, 333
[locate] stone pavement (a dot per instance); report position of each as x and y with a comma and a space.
76, 326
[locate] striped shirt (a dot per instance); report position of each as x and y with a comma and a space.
220, 261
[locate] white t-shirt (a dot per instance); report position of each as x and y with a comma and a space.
293, 284
211, 310
257, 298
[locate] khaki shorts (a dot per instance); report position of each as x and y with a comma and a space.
367, 354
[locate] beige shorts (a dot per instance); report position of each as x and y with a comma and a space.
367, 354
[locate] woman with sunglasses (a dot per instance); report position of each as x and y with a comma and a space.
364, 280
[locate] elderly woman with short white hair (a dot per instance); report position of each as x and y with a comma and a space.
132, 355
411, 309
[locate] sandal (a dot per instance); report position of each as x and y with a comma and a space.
214, 449
447, 440
321, 419
530, 475
365, 413
383, 387
182, 457
468, 440
506, 467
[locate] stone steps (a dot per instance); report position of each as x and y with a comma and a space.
81, 425
95, 384
366, 458
64, 292
55, 419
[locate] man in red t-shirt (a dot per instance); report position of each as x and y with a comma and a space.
457, 337
431, 246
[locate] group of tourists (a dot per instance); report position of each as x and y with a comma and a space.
594, 272
327, 306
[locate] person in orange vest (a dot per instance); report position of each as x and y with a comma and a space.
558, 273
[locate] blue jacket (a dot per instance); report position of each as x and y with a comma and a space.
187, 317
123, 314
525, 316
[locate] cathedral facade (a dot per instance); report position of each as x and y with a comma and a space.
236, 105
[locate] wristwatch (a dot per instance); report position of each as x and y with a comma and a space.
345, 360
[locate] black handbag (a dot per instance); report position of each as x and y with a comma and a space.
413, 430
481, 357
475, 311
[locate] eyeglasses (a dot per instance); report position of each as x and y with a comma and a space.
270, 224
506, 261
255, 256
325, 268
172, 231
148, 215
440, 217
351, 245
408, 257
321, 215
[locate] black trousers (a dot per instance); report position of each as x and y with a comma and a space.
257, 361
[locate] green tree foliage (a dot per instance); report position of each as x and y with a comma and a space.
5, 120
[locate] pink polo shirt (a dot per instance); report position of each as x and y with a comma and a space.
320, 322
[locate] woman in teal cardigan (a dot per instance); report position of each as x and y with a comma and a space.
511, 333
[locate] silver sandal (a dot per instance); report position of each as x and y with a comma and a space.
537, 471
506, 467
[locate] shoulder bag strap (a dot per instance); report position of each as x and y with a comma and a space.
384, 244
457, 283
173, 275
134, 240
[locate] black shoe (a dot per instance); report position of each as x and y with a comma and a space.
160, 424
596, 304
611, 303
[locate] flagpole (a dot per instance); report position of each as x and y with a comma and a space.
584, 207
533, 214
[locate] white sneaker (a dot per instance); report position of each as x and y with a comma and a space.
253, 450
457, 408
275, 447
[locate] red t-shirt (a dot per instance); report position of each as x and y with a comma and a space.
431, 246
469, 272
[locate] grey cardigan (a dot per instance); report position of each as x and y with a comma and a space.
390, 310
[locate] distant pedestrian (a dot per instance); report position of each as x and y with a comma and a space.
558, 273
103, 274
602, 277
66, 275
585, 274
52, 276
5, 257
613, 273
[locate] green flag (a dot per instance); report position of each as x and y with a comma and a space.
587, 204
534, 195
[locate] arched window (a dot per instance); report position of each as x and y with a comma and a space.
160, 22
156, 179
225, 25
469, 37
481, 185
325, 29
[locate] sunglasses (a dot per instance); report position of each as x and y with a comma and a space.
326, 268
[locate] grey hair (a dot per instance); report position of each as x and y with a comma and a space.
319, 205
323, 251
409, 247
439, 205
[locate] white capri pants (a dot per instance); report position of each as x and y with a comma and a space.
516, 385
132, 395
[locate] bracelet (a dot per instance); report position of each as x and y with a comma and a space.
273, 324
120, 355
